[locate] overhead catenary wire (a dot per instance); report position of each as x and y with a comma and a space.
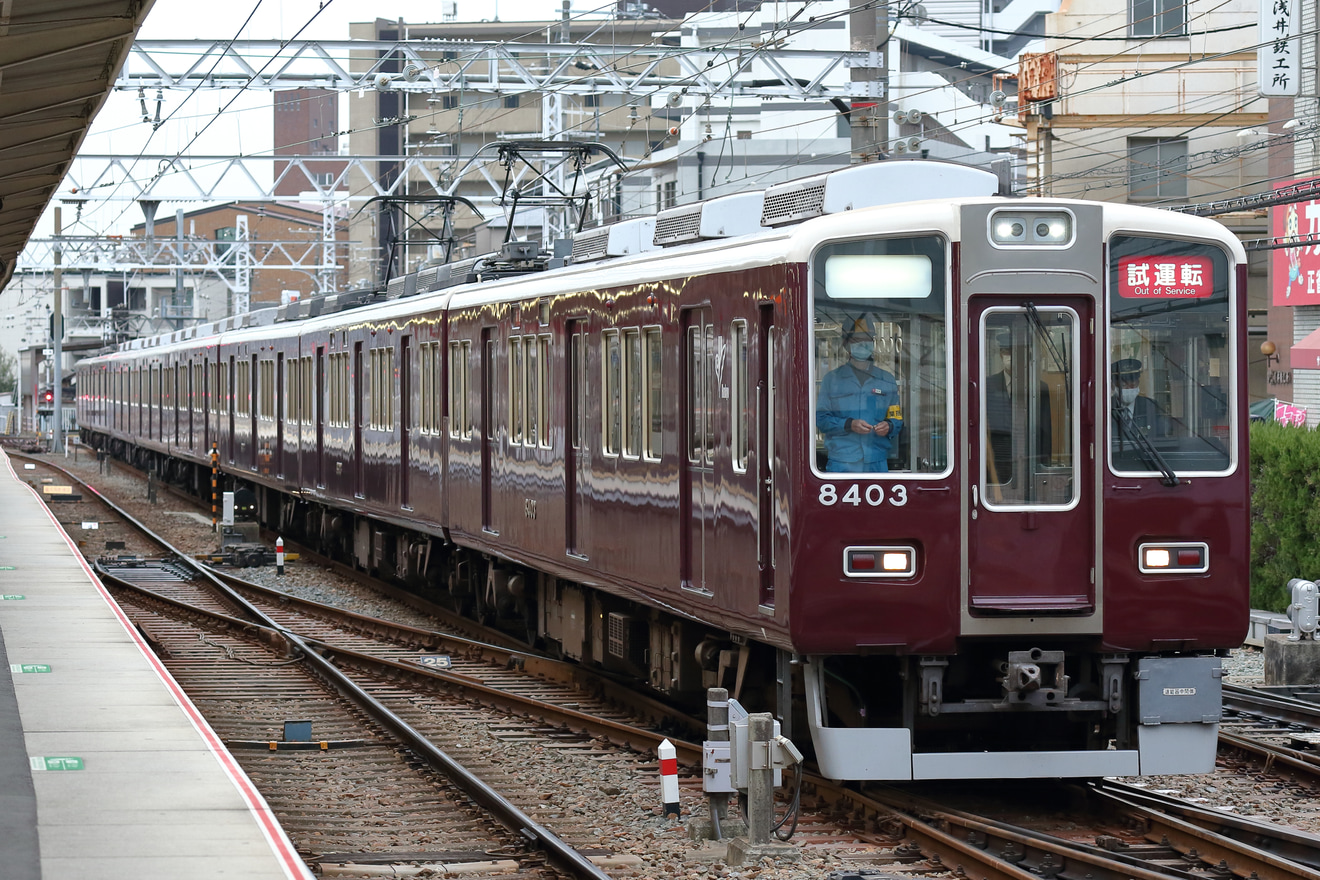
784, 28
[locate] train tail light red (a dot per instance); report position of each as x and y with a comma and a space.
1173, 558
880, 562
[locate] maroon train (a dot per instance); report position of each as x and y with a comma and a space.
957, 485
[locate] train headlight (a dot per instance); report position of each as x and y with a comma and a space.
1034, 229
880, 562
1173, 558
1010, 229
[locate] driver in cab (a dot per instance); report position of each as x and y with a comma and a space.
857, 408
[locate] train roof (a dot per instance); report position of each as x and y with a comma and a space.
703, 238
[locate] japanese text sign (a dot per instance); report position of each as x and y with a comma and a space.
1165, 277
1289, 414
1279, 55
1296, 275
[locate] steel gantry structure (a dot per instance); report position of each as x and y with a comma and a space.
743, 67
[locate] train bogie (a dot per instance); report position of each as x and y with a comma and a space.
957, 487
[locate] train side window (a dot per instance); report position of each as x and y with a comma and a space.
337, 389
654, 413
544, 384
381, 388
460, 384
632, 393
455, 390
266, 398
292, 397
516, 384
533, 360
612, 380
738, 400
430, 387
695, 395
243, 388
308, 391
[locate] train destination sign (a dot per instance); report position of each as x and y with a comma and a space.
1165, 277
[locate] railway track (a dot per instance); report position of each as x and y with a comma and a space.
544, 702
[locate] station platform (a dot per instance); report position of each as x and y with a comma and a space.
107, 770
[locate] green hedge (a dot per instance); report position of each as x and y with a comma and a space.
1285, 511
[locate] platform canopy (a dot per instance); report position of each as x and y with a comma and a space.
58, 61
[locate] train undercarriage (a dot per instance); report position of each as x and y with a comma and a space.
997, 707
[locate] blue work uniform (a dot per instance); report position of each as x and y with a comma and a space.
844, 395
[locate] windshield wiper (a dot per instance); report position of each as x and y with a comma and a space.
1060, 360
1148, 452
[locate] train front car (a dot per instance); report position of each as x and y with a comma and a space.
1021, 534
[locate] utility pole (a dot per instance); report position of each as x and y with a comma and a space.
57, 332
868, 29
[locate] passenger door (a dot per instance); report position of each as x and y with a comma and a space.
577, 453
1031, 527
697, 499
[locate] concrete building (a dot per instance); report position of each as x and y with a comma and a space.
282, 236
680, 145
453, 126
1153, 103
306, 123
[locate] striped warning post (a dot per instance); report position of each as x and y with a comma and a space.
669, 778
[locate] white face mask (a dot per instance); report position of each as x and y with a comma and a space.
1129, 395
861, 350
1006, 360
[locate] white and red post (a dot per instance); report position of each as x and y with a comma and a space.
279, 556
669, 778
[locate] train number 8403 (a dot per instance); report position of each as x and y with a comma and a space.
873, 494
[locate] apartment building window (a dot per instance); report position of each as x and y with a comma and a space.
666, 195
510, 101
1157, 169
449, 102
1158, 18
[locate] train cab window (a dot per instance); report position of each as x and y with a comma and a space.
1170, 357
880, 360
1028, 387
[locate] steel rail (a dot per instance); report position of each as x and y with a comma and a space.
1196, 848
637, 738
496, 652
1274, 706
557, 851
1289, 843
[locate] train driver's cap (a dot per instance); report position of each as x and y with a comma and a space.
1128, 369
1005, 341
859, 328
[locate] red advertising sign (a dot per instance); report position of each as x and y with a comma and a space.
1165, 277
1289, 414
1296, 270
